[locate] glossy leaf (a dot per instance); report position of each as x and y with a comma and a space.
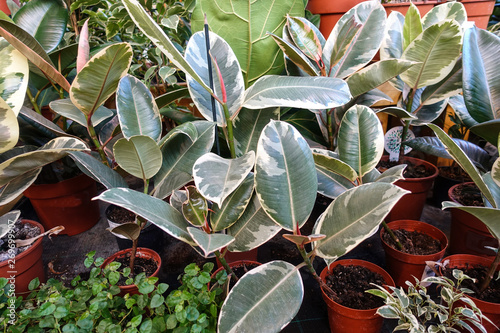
450, 86
209, 243
448, 10
299, 92
330, 169
285, 176
360, 139
495, 172
99, 78
83, 47
489, 130
195, 208
14, 71
296, 56
140, 156
398, 112
6, 220
67, 109
97, 170
458, 104
305, 38
136, 109
412, 26
171, 96
346, 222
9, 128
128, 230
41, 123
392, 43
17, 186
151, 209
335, 165
217, 177
489, 216
391, 175
266, 288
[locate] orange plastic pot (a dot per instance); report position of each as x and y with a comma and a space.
490, 310
411, 205
142, 252
403, 266
468, 235
479, 11
67, 203
3, 7
25, 266
345, 320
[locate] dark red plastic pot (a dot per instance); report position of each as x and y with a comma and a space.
141, 253
403, 266
27, 265
490, 310
411, 205
468, 235
67, 203
345, 320
236, 264
232, 257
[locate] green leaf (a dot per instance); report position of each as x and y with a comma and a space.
216, 177
346, 222
285, 176
450, 86
305, 38
45, 20
296, 56
9, 128
67, 109
360, 139
195, 208
256, 51
209, 243
267, 289
136, 109
448, 10
140, 156
14, 73
171, 96
18, 185
489, 216
156, 301
97, 170
99, 78
333, 174
412, 26
128, 230
299, 92
331, 164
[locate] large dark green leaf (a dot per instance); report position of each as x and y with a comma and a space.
97, 170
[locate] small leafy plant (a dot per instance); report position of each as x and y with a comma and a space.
93, 304
417, 312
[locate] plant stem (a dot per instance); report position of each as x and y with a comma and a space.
393, 235
224, 263
132, 255
97, 144
230, 137
491, 273
406, 126
33, 101
329, 127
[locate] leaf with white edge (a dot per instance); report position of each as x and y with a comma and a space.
494, 189
221, 52
128, 230
195, 208
489, 216
99, 78
9, 128
177, 198
495, 172
266, 288
233, 206
392, 43
489, 130
299, 92
347, 36
428, 113
67, 109
333, 174
285, 175
39, 121
388, 311
140, 156
6, 221
14, 71
136, 109
296, 56
303, 240
412, 26
305, 38
448, 87
465, 163
252, 229
392, 175
209, 243
217, 177
398, 112
151, 209
458, 104
30, 161
96, 170
17, 186
360, 139
346, 222
156, 34
437, 49
248, 125
335, 165
83, 47
448, 10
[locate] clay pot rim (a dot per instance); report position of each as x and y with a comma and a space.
45, 191
451, 194
33, 246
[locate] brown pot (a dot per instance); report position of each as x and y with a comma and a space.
479, 11
26, 265
468, 234
67, 203
411, 205
490, 310
141, 253
403, 266
232, 257
345, 320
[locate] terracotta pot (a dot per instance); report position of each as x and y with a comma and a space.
468, 235
141, 253
479, 11
490, 310
232, 257
3, 7
410, 206
27, 265
67, 203
403, 266
441, 187
343, 319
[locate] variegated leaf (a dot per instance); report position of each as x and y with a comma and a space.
489, 216
136, 109
494, 189
6, 221
392, 43
448, 10
360, 139
428, 113
354, 216
99, 78
398, 112
196, 56
30, 161
17, 186
151, 209
67, 109
437, 49
195, 208
299, 92
285, 175
252, 229
412, 26
9, 128
177, 198
267, 289
217, 177
128, 230
305, 38
450, 86
296, 56
140, 156
39, 121
458, 104
97, 170
495, 172
391, 175
332, 164
14, 71
209, 243
330, 183
233, 206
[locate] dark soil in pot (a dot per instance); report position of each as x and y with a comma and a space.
119, 215
20, 231
468, 195
491, 294
350, 283
411, 170
141, 265
455, 173
413, 242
